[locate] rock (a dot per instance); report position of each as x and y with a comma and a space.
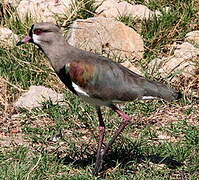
181, 64
113, 9
13, 3
106, 35
7, 38
155, 65
176, 66
193, 37
99, 2
186, 51
43, 10
182, 71
130, 66
36, 96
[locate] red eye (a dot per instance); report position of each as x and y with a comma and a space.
38, 31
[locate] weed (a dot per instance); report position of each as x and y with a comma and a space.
59, 141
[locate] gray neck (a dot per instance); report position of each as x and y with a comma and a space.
56, 52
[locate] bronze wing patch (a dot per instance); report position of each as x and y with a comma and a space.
81, 73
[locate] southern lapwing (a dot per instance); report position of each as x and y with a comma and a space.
96, 79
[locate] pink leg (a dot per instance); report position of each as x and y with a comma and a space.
125, 122
99, 159
101, 152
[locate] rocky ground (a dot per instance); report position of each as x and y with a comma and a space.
115, 29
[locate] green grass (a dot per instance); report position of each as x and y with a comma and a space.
60, 141
160, 32
142, 156
81, 9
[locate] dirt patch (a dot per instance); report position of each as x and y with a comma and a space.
190, 84
168, 114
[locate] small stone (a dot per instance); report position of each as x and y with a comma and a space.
176, 65
182, 63
186, 51
193, 37
43, 10
7, 38
36, 95
114, 9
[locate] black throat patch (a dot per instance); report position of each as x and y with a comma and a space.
65, 78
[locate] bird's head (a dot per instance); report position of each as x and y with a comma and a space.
41, 33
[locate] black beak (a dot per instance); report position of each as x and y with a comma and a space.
19, 43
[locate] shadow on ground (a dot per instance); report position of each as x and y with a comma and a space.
124, 157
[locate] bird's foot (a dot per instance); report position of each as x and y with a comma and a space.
99, 161
98, 166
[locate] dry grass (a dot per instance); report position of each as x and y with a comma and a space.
58, 142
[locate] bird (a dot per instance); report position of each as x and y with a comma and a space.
96, 79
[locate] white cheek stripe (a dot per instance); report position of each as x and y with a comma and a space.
36, 38
79, 90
